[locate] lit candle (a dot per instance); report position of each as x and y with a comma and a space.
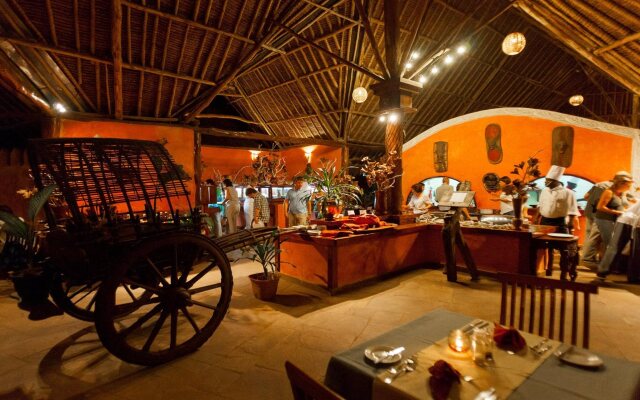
458, 341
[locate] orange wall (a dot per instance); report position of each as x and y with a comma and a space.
230, 161
180, 141
596, 155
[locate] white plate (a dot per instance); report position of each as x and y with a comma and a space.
560, 235
369, 352
581, 357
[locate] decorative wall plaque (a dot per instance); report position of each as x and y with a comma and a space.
440, 156
491, 182
492, 136
562, 146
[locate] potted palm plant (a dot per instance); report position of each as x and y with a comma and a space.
265, 284
20, 258
332, 188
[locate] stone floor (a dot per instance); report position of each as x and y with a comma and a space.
62, 358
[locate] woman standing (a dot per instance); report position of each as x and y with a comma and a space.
611, 206
419, 202
247, 207
232, 205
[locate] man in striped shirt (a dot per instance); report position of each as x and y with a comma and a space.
261, 212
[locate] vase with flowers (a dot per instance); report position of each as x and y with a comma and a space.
525, 173
332, 189
380, 174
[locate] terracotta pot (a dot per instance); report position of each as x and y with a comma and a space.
264, 289
33, 289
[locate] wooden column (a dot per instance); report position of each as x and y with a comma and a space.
116, 53
197, 164
393, 140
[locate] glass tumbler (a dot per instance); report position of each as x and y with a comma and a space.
481, 345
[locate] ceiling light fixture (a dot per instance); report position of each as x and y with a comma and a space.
422, 79
513, 43
576, 100
435, 70
461, 50
408, 65
359, 94
61, 108
382, 118
449, 60
393, 117
415, 55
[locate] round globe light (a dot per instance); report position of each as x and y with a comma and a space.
513, 43
359, 94
576, 100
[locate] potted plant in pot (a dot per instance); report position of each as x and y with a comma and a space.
332, 188
265, 284
20, 257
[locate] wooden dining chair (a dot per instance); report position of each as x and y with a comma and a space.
305, 387
539, 305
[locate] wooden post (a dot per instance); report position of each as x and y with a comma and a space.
393, 140
116, 52
197, 164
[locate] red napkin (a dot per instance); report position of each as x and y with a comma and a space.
443, 376
508, 338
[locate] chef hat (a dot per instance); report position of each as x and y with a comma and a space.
555, 172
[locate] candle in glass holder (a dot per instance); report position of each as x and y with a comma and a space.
459, 341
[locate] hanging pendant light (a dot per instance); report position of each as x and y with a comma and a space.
576, 100
359, 94
513, 43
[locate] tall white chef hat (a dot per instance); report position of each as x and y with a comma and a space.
555, 172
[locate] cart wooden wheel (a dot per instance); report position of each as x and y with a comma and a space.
78, 299
190, 282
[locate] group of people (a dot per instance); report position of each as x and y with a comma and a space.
256, 206
420, 200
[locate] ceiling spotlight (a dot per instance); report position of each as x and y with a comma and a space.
435, 70
422, 79
461, 50
61, 108
393, 117
408, 65
448, 60
382, 118
415, 55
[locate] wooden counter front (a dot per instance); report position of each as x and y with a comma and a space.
337, 263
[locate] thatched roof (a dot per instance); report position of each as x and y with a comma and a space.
287, 68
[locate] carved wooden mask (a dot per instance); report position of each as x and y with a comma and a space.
492, 136
491, 182
562, 146
440, 156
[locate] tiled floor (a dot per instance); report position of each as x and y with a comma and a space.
61, 358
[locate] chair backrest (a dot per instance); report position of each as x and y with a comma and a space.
543, 310
305, 387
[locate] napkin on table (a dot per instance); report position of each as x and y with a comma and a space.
443, 376
508, 338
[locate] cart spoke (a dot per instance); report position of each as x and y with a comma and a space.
200, 275
201, 304
92, 302
187, 314
174, 327
84, 296
128, 290
125, 332
88, 286
154, 331
151, 289
205, 288
157, 271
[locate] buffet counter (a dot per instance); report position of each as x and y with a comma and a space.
336, 263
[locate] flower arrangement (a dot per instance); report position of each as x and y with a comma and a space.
381, 172
331, 184
526, 172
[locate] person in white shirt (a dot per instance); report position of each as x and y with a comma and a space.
506, 203
444, 191
419, 202
556, 202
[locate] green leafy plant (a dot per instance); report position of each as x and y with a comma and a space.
25, 230
265, 253
331, 184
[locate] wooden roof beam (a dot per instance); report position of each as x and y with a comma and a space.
330, 11
617, 43
195, 24
372, 39
335, 56
603, 93
226, 116
244, 135
116, 53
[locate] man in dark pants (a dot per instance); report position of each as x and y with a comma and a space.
452, 236
555, 204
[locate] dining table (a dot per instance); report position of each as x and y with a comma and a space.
525, 374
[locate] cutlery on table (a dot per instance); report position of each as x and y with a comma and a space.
489, 394
408, 365
561, 353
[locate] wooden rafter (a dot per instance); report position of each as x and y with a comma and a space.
603, 93
116, 53
245, 135
331, 11
372, 38
225, 116
617, 43
194, 24
407, 52
333, 55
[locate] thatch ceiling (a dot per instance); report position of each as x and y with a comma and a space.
258, 66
